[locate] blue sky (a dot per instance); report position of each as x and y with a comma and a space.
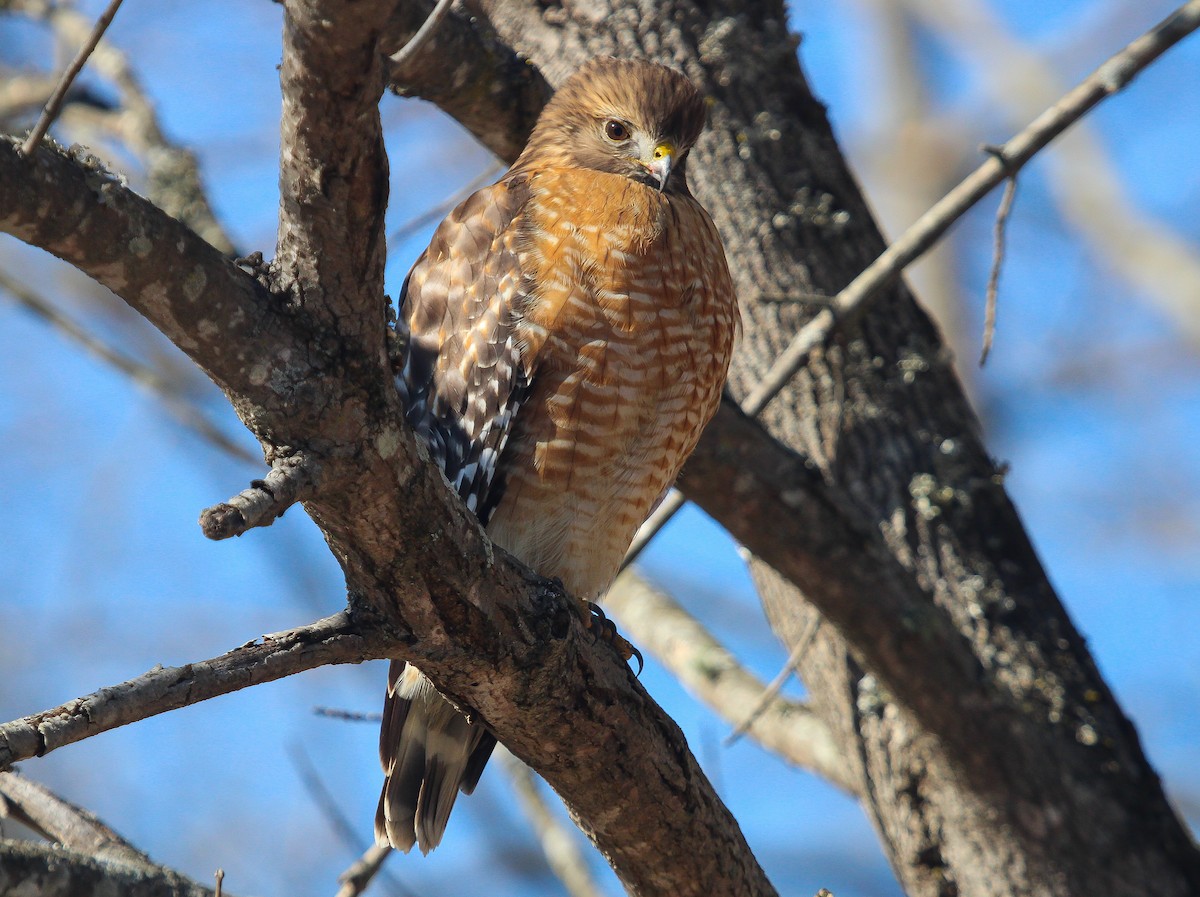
1091, 395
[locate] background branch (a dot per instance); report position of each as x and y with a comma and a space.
656, 622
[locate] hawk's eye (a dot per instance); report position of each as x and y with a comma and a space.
616, 131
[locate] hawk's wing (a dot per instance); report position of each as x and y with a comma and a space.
464, 374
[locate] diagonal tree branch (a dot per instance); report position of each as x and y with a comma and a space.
466, 69
707, 669
49, 871
335, 639
60, 821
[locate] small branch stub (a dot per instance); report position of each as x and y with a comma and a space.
290, 480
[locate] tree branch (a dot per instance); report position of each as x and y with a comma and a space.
467, 70
705, 667
47, 871
292, 478
333, 173
58, 820
335, 639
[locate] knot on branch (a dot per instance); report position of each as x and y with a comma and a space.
291, 480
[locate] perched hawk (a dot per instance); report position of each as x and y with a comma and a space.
567, 335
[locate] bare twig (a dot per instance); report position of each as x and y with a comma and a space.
993, 284
709, 671
64, 84
405, 54
776, 685
359, 876
848, 305
172, 174
291, 479
348, 715
559, 844
335, 639
186, 412
1160, 263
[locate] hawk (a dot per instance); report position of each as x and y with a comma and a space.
566, 337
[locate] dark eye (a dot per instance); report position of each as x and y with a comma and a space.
616, 130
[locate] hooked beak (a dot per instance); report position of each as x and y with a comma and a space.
659, 163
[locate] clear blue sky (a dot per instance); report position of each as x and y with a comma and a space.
1091, 396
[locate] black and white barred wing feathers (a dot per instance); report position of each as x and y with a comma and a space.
464, 375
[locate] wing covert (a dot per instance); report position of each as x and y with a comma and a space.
463, 373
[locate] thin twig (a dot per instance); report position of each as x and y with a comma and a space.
771, 692
993, 285
559, 844
848, 305
708, 670
359, 876
409, 50
183, 410
348, 715
50, 111
356, 878
335, 639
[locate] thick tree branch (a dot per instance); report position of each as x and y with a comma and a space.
48, 871
333, 172
468, 71
335, 639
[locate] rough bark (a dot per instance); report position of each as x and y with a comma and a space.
1041, 787
48, 871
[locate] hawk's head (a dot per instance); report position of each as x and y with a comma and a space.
622, 116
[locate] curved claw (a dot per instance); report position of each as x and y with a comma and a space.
607, 630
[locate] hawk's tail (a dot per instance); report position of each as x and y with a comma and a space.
430, 752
